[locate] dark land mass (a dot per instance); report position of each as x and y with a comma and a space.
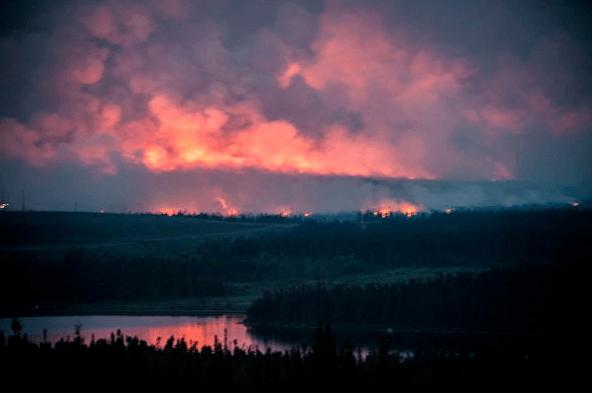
483, 300
190, 265
529, 300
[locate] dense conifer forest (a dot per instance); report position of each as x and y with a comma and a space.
535, 299
307, 250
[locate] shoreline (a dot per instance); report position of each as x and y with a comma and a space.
279, 327
390, 330
148, 312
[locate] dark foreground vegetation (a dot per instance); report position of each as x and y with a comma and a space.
324, 367
526, 299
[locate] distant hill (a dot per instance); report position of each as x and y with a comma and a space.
55, 229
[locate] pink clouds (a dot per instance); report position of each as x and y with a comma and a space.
189, 136
88, 68
399, 89
156, 84
353, 49
118, 23
532, 93
533, 111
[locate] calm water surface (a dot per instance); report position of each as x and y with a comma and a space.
230, 329
200, 330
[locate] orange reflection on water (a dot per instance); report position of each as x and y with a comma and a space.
222, 329
202, 331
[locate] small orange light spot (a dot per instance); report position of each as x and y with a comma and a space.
385, 212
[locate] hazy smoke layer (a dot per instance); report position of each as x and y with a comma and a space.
230, 192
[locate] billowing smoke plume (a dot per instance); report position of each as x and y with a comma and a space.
213, 105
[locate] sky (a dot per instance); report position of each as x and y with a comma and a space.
270, 106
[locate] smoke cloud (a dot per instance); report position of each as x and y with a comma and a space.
252, 106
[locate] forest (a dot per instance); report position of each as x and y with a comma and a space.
528, 299
522, 306
309, 250
478, 238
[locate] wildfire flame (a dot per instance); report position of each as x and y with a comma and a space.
167, 211
409, 210
284, 211
228, 209
387, 208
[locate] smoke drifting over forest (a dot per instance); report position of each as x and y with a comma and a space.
231, 192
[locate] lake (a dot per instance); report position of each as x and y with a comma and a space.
203, 330
200, 330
